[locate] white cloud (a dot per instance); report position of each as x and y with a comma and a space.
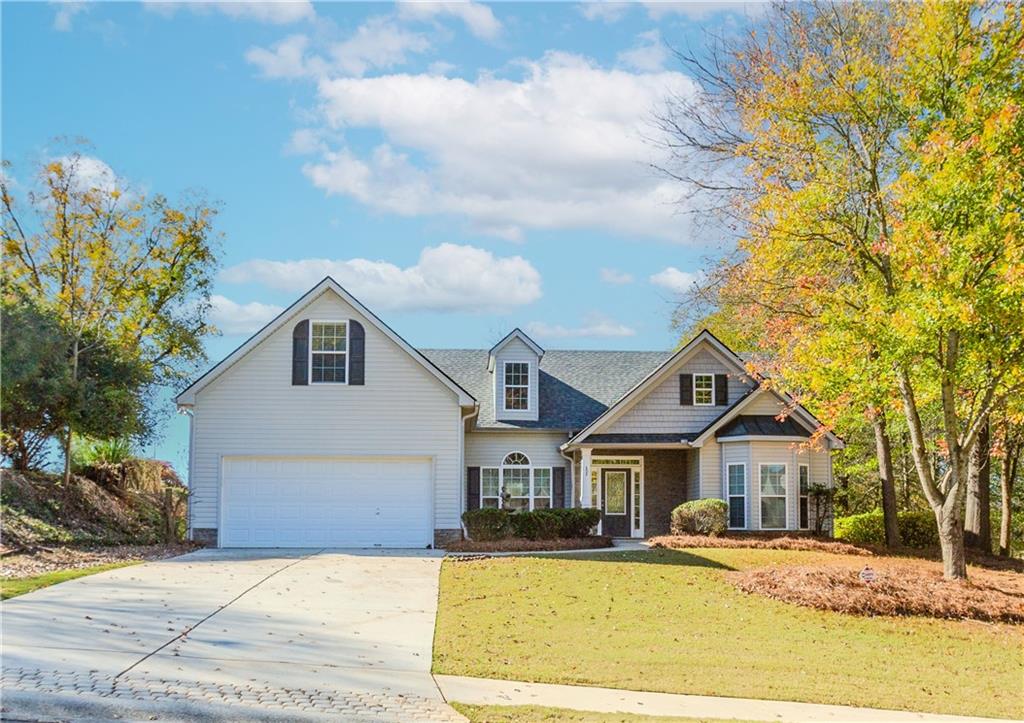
648, 55
378, 43
674, 280
448, 277
274, 12
233, 318
285, 59
562, 147
478, 18
594, 325
90, 172
616, 277
63, 19
608, 12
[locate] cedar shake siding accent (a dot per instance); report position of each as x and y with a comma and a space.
669, 405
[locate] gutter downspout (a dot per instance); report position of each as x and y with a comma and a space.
462, 464
572, 473
191, 444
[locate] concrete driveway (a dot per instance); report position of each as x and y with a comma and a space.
268, 634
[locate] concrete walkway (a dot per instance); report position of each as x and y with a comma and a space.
482, 691
231, 635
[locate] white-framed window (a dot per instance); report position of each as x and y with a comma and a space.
517, 386
328, 352
737, 478
703, 390
805, 508
516, 484
773, 496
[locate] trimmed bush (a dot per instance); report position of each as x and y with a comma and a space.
701, 517
487, 524
917, 529
490, 524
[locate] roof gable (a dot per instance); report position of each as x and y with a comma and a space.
328, 285
704, 340
516, 333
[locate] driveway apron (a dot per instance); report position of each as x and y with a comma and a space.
218, 634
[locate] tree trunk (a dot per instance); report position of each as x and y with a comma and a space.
977, 518
67, 438
1008, 471
951, 540
883, 449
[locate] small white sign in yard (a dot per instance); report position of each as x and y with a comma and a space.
867, 575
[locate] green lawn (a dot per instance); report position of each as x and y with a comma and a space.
668, 621
14, 586
531, 713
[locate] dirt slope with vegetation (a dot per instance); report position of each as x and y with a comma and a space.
37, 511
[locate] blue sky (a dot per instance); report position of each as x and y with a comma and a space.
462, 168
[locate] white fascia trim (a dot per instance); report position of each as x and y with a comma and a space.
627, 400
188, 395
761, 437
516, 333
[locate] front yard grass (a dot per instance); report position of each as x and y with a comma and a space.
12, 587
668, 621
531, 713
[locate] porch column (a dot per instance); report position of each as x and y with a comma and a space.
585, 477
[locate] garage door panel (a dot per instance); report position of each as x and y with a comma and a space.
276, 502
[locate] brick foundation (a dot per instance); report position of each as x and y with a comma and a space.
443, 538
205, 536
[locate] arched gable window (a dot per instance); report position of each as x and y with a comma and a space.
515, 484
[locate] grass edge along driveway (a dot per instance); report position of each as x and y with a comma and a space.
15, 586
532, 713
669, 621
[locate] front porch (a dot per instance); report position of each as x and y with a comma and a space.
636, 488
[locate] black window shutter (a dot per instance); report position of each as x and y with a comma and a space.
558, 487
472, 488
721, 389
356, 353
686, 390
300, 353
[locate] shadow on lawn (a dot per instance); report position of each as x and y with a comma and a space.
647, 557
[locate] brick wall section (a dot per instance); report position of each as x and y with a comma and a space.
205, 536
664, 484
443, 538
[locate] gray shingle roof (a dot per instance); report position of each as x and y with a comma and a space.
575, 386
762, 425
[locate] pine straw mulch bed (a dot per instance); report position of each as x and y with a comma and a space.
520, 544
40, 560
902, 587
759, 542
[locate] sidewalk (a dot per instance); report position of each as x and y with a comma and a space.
483, 691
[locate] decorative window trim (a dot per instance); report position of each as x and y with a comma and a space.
347, 352
803, 505
711, 401
531, 470
505, 385
729, 494
784, 497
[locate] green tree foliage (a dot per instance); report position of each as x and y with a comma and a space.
105, 399
881, 264
114, 267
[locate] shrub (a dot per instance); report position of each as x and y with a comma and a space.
491, 524
701, 517
487, 524
917, 529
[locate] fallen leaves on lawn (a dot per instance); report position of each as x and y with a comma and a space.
759, 542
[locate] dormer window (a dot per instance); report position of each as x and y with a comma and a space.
517, 386
328, 358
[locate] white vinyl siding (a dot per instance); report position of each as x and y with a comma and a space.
488, 449
515, 351
253, 408
660, 410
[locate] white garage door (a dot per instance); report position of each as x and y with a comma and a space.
325, 502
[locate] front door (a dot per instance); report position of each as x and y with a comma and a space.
616, 504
